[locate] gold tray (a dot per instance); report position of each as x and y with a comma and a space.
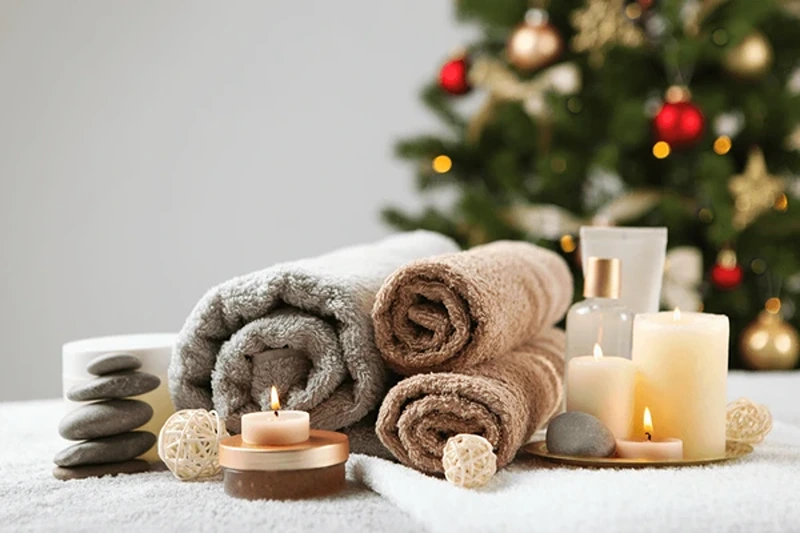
733, 450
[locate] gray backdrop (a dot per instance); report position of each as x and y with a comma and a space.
150, 149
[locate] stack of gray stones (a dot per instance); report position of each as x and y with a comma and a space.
109, 445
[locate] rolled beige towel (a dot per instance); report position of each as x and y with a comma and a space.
458, 310
504, 400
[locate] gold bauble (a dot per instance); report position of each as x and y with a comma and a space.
751, 58
533, 46
769, 343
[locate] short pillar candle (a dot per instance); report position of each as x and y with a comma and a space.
682, 363
602, 386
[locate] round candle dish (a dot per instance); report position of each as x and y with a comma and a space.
733, 450
305, 470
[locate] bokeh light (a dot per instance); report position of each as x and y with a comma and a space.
773, 305
722, 145
661, 150
568, 243
442, 164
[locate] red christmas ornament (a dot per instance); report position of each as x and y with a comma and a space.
453, 76
679, 122
726, 274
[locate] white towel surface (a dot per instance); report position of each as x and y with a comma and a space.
758, 494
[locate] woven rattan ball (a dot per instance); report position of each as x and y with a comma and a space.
468, 461
189, 443
748, 422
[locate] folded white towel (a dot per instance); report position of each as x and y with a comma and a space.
759, 493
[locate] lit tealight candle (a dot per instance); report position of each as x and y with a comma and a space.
648, 447
276, 427
603, 387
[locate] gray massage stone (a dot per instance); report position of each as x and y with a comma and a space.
110, 469
103, 419
114, 386
579, 434
115, 362
115, 449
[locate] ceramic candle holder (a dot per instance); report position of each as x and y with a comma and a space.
308, 469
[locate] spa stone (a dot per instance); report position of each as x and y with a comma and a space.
114, 449
579, 434
120, 385
110, 469
103, 419
110, 363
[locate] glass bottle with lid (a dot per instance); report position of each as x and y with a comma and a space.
601, 318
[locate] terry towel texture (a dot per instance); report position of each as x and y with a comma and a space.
304, 326
456, 311
505, 400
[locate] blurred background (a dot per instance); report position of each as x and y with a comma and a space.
149, 150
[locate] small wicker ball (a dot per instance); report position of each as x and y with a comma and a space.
747, 422
468, 461
188, 443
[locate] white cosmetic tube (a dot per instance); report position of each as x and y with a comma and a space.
642, 252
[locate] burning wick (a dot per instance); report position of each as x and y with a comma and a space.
274, 401
648, 424
597, 352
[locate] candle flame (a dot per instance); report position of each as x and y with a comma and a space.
648, 423
597, 352
274, 401
676, 314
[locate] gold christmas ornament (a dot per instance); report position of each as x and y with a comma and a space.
747, 422
469, 461
535, 43
770, 343
751, 58
600, 25
754, 191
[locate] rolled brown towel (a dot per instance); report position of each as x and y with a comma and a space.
455, 311
504, 400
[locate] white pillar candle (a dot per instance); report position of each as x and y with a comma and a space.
649, 445
276, 427
682, 363
603, 387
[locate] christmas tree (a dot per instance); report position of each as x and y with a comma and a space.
684, 114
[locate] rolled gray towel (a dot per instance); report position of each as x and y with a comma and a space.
303, 326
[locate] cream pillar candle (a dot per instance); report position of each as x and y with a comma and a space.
603, 387
276, 427
682, 363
